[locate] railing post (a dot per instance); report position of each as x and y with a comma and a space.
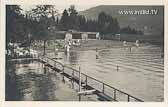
128, 98
73, 79
79, 80
103, 87
114, 94
63, 74
86, 82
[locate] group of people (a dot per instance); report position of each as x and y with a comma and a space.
71, 43
16, 50
136, 44
125, 44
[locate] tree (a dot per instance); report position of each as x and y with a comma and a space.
73, 18
82, 22
44, 16
14, 24
65, 20
107, 24
116, 27
70, 19
130, 30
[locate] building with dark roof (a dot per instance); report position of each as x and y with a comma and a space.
70, 35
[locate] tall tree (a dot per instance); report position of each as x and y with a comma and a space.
14, 24
107, 24
82, 22
42, 14
65, 20
73, 18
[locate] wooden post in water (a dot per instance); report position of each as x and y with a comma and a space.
55, 64
117, 68
63, 74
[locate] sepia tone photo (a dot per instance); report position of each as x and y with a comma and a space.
108, 53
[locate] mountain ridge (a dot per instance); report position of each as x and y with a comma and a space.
150, 23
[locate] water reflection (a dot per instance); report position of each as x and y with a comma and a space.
72, 57
30, 84
25, 80
124, 69
11, 92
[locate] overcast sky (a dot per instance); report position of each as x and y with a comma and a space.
60, 8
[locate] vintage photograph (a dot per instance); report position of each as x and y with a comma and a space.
111, 53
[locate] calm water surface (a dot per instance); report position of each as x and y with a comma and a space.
140, 72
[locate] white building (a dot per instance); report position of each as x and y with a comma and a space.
69, 35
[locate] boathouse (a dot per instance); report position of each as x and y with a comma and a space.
71, 35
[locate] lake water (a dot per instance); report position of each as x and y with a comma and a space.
140, 72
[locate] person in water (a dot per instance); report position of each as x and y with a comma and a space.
67, 48
124, 43
137, 43
56, 50
97, 54
130, 48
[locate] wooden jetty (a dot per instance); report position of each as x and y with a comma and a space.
104, 91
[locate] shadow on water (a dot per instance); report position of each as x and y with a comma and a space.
11, 91
30, 85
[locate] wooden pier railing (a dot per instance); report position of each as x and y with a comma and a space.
103, 90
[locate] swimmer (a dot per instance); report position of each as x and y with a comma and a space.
97, 54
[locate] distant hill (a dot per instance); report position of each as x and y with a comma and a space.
148, 23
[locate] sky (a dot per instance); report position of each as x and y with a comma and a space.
60, 8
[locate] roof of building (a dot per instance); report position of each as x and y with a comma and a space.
75, 32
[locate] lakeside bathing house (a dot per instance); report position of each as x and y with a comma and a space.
71, 35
